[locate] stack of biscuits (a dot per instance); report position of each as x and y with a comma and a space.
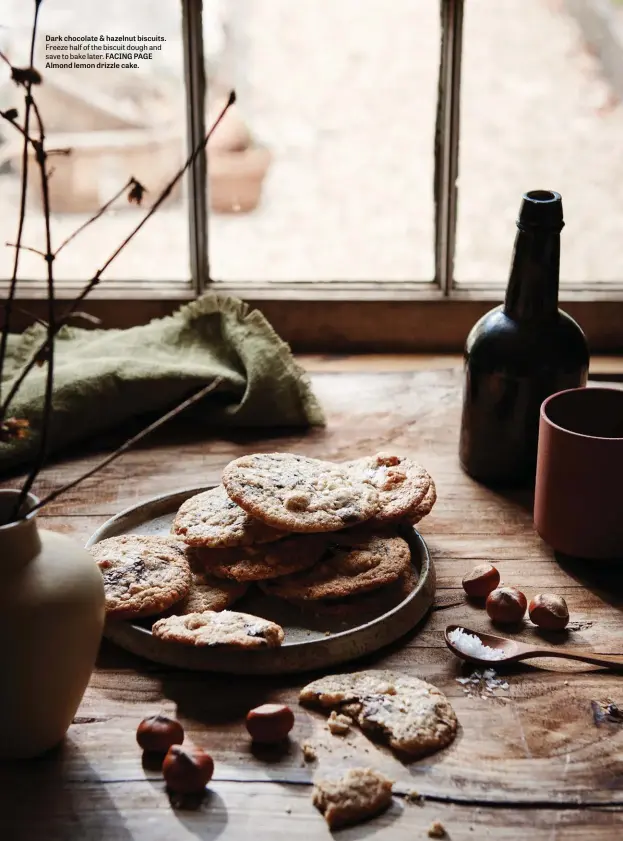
322, 536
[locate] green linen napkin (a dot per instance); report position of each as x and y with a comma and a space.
104, 377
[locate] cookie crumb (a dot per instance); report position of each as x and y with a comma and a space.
339, 724
413, 796
436, 830
309, 754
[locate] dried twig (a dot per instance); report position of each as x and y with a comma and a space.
99, 213
96, 277
25, 248
161, 198
8, 307
51, 327
130, 443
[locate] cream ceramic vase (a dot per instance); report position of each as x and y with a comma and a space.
51, 621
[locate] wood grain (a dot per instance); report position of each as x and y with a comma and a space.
530, 761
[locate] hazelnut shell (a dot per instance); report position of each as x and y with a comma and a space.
481, 581
270, 723
506, 605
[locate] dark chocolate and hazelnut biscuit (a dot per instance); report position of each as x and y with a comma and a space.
143, 575
412, 716
373, 602
209, 593
299, 494
401, 483
425, 506
359, 795
257, 563
353, 561
213, 519
228, 628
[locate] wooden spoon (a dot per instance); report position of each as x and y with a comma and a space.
515, 651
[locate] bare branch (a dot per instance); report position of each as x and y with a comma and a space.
26, 248
46, 416
6, 115
6, 325
99, 213
130, 443
96, 278
161, 198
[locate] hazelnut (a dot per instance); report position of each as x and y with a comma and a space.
506, 605
481, 581
187, 770
270, 723
549, 611
158, 733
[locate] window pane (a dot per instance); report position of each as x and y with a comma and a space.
536, 113
343, 97
118, 122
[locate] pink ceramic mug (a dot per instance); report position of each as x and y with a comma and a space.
578, 502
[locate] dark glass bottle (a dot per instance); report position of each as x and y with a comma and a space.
520, 353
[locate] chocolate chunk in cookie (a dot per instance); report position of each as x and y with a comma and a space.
299, 494
143, 575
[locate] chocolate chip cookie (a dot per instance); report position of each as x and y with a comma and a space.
426, 505
213, 519
209, 593
143, 575
299, 494
228, 628
412, 716
258, 563
374, 602
401, 483
350, 562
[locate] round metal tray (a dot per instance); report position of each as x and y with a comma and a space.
311, 642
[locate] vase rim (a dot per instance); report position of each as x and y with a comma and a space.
30, 501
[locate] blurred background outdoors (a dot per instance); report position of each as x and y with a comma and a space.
326, 171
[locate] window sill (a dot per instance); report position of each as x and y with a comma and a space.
341, 318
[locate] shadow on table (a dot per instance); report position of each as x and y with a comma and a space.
374, 828
603, 579
205, 816
42, 799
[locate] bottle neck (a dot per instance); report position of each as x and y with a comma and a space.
532, 292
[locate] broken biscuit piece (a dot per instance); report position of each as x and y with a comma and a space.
357, 796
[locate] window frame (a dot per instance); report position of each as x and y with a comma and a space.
339, 316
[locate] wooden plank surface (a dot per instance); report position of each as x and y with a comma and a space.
529, 761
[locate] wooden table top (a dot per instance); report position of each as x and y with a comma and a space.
529, 762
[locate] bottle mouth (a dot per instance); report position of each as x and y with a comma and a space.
541, 209
543, 195
9, 517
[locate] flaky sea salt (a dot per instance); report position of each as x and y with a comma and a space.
472, 646
482, 684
